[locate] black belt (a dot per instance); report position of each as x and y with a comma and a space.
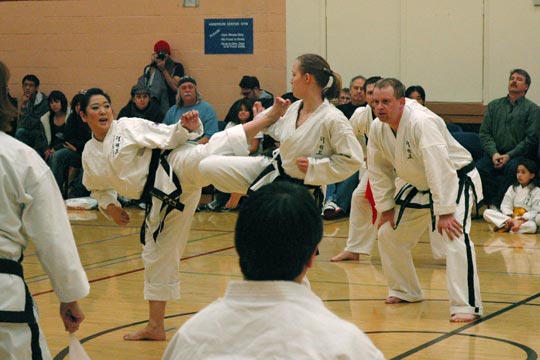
283, 176
169, 202
407, 203
26, 316
465, 183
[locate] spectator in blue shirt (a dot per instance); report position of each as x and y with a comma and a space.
189, 99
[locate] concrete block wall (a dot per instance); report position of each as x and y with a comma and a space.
76, 44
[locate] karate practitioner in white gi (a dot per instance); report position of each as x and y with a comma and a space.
362, 228
116, 161
318, 146
413, 143
271, 315
32, 210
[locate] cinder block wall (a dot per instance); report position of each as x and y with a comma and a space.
76, 44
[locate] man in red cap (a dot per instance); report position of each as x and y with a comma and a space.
162, 76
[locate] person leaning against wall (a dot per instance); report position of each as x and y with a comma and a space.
161, 76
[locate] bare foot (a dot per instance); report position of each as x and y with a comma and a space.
146, 334
344, 256
463, 317
394, 300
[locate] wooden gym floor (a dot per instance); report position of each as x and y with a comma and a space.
509, 269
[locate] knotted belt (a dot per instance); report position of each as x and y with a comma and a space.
277, 165
169, 202
26, 316
465, 184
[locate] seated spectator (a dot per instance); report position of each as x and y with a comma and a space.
357, 95
32, 107
508, 134
272, 313
189, 99
140, 106
250, 88
520, 204
66, 162
416, 92
244, 115
162, 76
344, 96
52, 125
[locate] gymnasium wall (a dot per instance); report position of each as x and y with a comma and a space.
76, 44
459, 50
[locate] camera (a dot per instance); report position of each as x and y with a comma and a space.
161, 55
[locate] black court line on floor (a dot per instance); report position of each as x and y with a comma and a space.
466, 327
65, 351
531, 354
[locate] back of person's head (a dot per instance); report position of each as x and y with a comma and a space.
57, 95
85, 101
399, 88
249, 82
277, 231
7, 110
31, 77
317, 66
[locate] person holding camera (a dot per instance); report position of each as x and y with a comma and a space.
161, 76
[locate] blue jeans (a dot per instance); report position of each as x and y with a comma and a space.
341, 193
30, 137
60, 162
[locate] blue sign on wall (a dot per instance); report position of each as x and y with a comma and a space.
228, 36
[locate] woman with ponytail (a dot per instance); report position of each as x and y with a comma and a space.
318, 145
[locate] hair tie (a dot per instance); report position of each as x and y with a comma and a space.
328, 71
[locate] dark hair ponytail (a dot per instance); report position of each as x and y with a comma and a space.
317, 66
